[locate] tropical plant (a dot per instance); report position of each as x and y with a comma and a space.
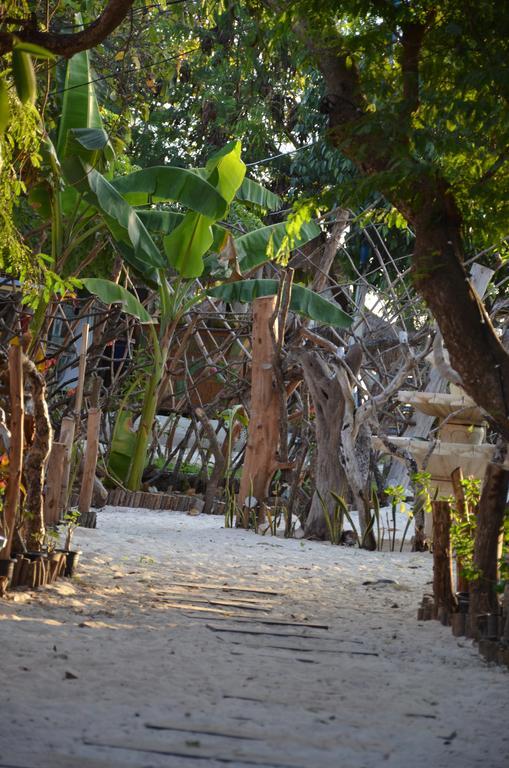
186, 237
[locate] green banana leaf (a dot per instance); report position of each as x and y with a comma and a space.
187, 244
253, 247
164, 222
121, 219
123, 444
303, 300
37, 51
190, 241
165, 183
251, 191
111, 293
79, 105
227, 170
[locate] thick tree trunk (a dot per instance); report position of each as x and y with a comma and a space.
474, 348
483, 598
16, 447
261, 458
36, 458
329, 409
427, 202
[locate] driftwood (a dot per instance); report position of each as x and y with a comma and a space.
329, 405
219, 462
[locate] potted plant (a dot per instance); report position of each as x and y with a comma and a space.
71, 522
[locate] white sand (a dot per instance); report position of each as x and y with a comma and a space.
426, 698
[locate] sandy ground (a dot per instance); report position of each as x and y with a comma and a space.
280, 654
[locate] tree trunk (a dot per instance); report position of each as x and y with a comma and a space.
475, 350
16, 447
261, 458
36, 459
427, 202
490, 518
219, 462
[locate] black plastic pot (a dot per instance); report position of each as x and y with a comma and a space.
463, 601
72, 559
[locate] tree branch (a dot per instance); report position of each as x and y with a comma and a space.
68, 44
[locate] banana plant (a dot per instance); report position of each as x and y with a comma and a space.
80, 134
126, 207
208, 197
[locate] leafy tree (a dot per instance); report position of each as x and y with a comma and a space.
417, 99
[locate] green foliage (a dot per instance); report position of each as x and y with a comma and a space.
112, 293
334, 522
463, 528
303, 300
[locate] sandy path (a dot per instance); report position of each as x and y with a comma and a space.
239, 678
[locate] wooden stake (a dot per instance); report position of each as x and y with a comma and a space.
54, 474
90, 462
81, 373
67, 432
261, 459
16, 449
442, 560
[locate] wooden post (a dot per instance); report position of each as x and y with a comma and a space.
261, 459
54, 474
16, 449
442, 559
67, 432
89, 465
81, 373
490, 518
462, 514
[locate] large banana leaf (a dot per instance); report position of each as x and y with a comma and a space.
111, 293
251, 191
121, 219
227, 170
164, 222
123, 444
253, 247
79, 105
89, 144
187, 243
303, 300
164, 183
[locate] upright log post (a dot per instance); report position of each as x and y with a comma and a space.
81, 373
90, 463
462, 514
443, 592
261, 458
67, 432
487, 547
54, 475
16, 447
